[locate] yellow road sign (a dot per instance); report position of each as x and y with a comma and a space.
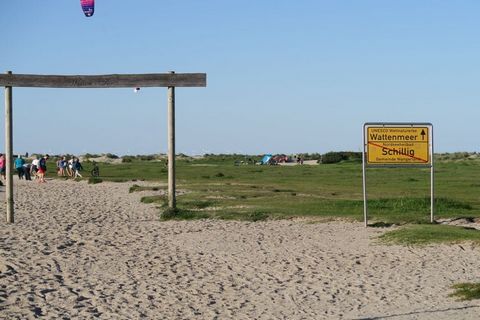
398, 145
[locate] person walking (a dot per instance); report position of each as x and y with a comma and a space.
34, 168
77, 166
62, 166
19, 162
69, 168
26, 171
42, 168
2, 165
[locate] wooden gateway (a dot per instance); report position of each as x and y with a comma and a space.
169, 80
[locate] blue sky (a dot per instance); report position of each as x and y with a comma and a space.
283, 76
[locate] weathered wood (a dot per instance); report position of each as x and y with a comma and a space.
171, 147
170, 80
9, 153
105, 81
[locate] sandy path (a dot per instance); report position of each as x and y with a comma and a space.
94, 251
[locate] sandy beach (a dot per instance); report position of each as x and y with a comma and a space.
80, 251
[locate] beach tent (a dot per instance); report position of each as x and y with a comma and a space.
266, 159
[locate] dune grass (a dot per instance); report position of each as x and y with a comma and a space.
423, 234
466, 291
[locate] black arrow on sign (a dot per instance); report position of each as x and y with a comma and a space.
423, 134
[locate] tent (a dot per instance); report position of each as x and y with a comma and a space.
266, 159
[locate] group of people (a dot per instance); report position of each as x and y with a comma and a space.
38, 167
70, 168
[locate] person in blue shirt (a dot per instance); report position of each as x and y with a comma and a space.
77, 166
19, 162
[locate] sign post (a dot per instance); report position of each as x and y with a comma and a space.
397, 145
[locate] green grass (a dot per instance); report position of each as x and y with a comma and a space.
217, 188
160, 200
181, 214
466, 291
423, 234
136, 188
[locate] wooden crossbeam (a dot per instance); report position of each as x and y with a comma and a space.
105, 81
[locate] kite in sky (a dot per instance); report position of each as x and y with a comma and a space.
88, 7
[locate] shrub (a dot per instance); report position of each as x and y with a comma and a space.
111, 156
312, 156
89, 155
146, 157
332, 157
126, 159
256, 216
335, 157
170, 213
134, 188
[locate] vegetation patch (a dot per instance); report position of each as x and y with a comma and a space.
335, 157
161, 200
197, 204
466, 291
256, 216
94, 180
395, 195
416, 204
136, 188
424, 234
181, 214
127, 159
111, 156
90, 156
380, 225
282, 190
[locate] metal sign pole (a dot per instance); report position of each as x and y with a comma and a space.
364, 181
432, 179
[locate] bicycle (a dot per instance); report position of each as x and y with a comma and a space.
95, 171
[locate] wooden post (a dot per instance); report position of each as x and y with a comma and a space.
171, 146
9, 152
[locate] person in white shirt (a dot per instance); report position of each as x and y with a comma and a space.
34, 168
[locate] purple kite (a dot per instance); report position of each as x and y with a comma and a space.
88, 7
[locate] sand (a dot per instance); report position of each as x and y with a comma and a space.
95, 251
